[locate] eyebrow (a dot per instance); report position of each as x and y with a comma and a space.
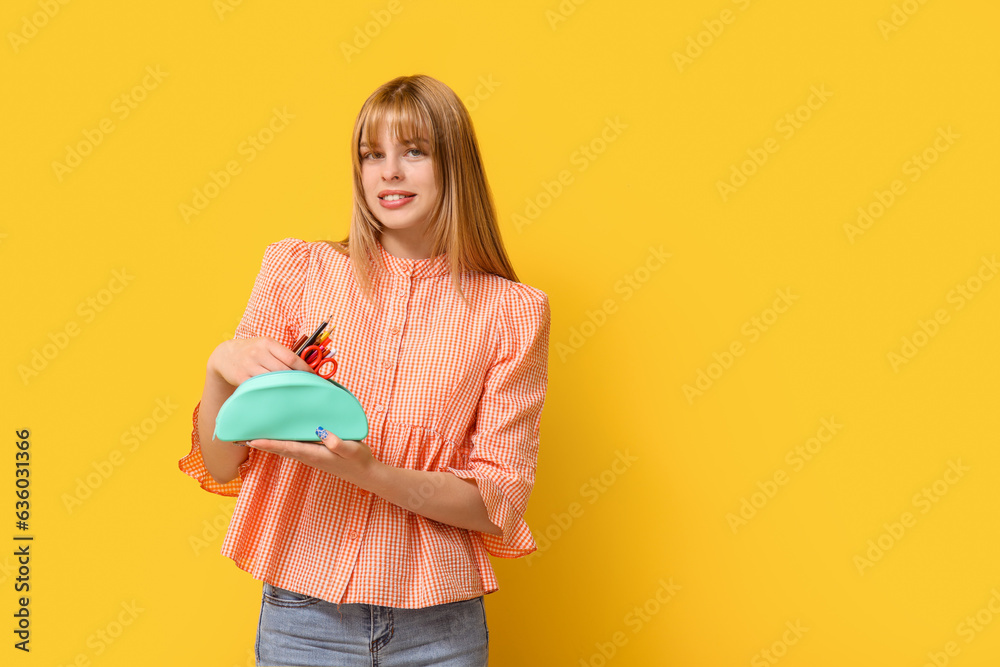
418, 140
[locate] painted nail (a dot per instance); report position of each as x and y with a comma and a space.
321, 433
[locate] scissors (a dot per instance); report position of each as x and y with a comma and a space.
315, 356
313, 349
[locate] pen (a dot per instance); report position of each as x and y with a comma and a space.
310, 341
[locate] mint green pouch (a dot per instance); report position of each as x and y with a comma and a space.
290, 405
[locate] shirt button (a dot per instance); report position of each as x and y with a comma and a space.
352, 535
394, 330
379, 408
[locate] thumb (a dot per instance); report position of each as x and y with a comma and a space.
328, 439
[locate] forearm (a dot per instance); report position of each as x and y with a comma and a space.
222, 458
440, 496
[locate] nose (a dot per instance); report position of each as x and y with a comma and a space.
391, 170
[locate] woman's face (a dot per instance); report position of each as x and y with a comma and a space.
398, 180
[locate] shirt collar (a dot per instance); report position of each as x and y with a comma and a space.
416, 268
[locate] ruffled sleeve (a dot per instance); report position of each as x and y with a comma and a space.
505, 438
274, 311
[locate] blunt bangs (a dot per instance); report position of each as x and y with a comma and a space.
408, 122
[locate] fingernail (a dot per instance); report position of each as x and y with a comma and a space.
322, 433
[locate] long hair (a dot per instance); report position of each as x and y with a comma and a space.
463, 222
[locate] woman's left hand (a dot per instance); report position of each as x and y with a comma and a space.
351, 460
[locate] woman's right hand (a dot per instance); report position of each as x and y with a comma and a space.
238, 360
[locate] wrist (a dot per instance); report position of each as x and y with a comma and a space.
213, 370
377, 477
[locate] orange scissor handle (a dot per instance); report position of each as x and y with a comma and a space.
313, 355
328, 360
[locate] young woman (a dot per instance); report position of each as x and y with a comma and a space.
377, 552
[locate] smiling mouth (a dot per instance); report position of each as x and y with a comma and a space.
396, 197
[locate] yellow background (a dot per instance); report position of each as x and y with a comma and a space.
620, 356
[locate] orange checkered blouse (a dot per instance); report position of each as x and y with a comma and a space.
445, 387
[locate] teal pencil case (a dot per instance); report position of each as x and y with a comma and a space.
290, 405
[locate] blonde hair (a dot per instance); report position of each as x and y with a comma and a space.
463, 222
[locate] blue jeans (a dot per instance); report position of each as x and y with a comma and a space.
296, 629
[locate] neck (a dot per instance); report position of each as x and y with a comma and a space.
405, 244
